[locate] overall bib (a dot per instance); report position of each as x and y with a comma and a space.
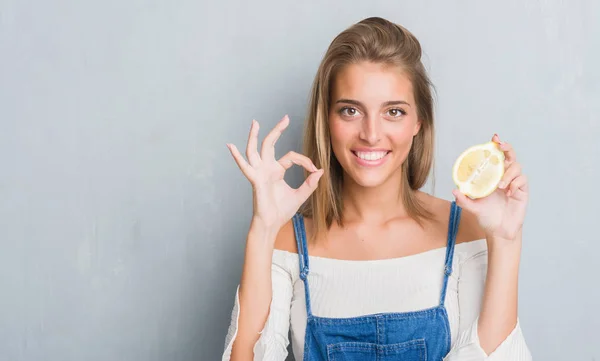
422, 335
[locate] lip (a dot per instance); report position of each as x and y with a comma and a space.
370, 150
370, 163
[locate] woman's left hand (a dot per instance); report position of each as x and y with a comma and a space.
502, 213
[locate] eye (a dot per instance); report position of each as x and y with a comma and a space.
348, 111
396, 112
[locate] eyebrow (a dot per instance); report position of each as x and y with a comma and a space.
388, 103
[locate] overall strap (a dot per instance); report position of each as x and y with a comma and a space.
455, 211
300, 232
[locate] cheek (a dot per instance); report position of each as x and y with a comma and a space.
402, 135
340, 132
404, 138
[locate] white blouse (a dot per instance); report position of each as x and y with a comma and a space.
343, 288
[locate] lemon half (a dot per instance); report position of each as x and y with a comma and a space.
479, 169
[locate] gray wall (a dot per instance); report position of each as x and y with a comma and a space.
123, 217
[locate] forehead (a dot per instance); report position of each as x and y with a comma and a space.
374, 82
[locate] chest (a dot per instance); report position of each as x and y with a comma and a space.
367, 242
346, 289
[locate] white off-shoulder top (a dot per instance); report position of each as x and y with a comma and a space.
344, 288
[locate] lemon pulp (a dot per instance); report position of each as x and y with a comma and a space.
479, 169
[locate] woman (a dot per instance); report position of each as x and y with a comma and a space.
371, 268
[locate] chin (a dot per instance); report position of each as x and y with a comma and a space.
369, 180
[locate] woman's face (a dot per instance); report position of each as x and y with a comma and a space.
372, 122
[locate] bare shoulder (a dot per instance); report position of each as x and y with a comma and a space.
468, 229
286, 238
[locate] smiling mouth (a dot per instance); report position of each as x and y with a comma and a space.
371, 158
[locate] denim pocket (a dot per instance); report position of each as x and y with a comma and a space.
414, 350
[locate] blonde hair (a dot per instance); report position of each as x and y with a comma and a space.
380, 41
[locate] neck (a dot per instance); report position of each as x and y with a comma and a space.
373, 204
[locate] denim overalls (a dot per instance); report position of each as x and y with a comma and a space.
409, 336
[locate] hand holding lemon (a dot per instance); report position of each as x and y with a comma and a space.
491, 186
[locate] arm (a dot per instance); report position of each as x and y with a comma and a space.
255, 291
272, 337
498, 316
473, 277
500, 216
274, 204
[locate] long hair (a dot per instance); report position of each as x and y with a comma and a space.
370, 40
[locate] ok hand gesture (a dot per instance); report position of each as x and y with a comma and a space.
275, 202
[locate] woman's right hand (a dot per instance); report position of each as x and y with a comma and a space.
275, 202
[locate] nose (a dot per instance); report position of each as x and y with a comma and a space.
371, 130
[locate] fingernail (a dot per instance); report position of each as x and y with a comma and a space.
314, 168
501, 184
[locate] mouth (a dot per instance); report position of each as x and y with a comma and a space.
371, 158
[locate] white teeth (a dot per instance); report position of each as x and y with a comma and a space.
371, 155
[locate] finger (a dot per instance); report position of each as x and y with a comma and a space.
251, 148
309, 186
241, 162
512, 172
509, 153
517, 186
268, 145
295, 158
463, 201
